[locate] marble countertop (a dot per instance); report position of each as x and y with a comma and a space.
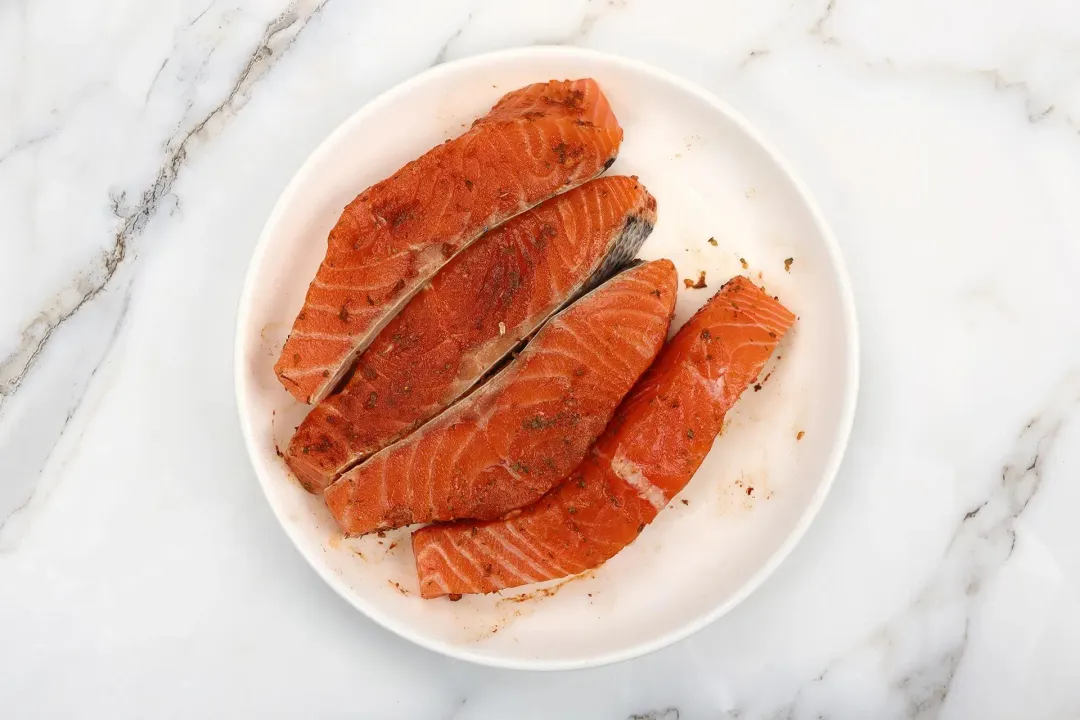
142, 146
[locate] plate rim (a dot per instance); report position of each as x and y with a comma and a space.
848, 407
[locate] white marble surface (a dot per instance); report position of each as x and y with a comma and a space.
142, 146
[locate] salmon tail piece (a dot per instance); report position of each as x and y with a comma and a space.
475, 311
526, 429
536, 142
655, 443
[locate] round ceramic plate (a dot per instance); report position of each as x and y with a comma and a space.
713, 177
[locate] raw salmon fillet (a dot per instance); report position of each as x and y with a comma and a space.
517, 436
536, 142
655, 443
475, 311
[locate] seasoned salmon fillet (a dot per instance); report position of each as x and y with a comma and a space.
517, 436
653, 446
476, 310
536, 142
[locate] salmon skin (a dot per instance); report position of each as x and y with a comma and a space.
517, 436
655, 443
475, 311
536, 142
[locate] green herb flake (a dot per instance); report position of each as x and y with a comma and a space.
537, 422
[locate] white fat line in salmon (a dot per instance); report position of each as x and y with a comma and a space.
630, 473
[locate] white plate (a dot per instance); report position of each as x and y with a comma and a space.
713, 176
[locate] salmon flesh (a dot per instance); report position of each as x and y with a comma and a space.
476, 310
657, 440
536, 142
526, 429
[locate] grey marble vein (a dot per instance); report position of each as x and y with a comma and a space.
279, 35
24, 145
671, 713
939, 620
199, 17
458, 709
153, 82
753, 55
596, 10
132, 217
7, 543
34, 337
444, 50
819, 26
926, 688
1035, 110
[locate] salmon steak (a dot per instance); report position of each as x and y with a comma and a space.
655, 443
515, 437
535, 143
476, 310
